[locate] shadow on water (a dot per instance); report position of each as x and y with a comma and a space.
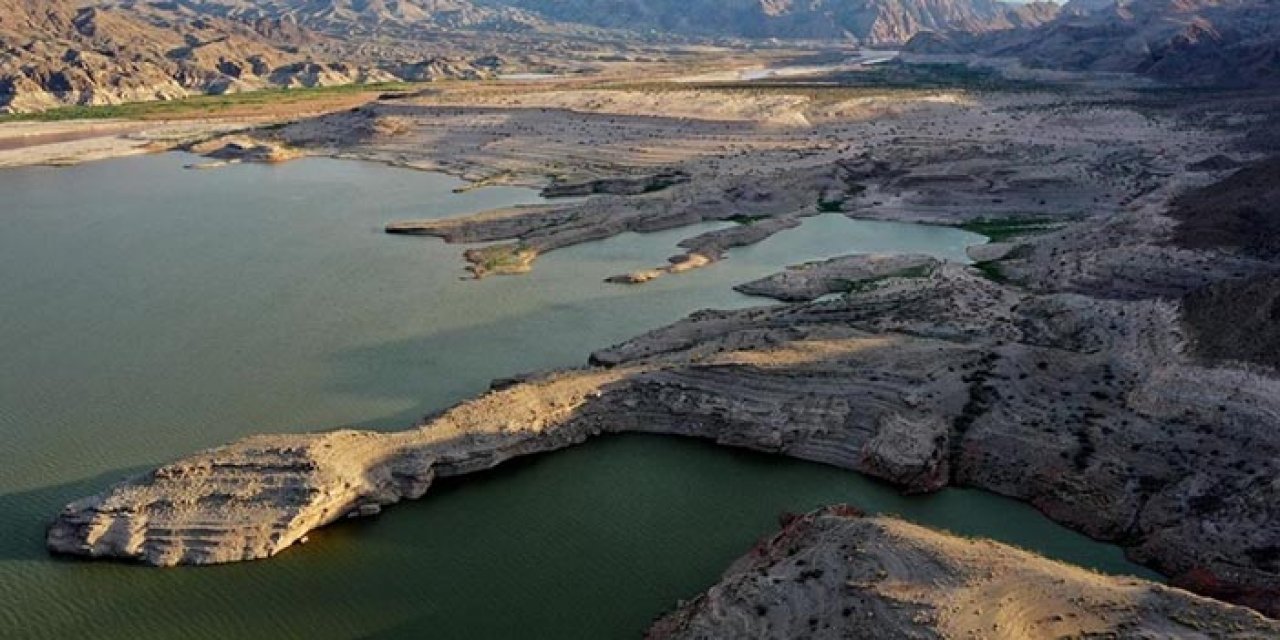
28, 513
642, 520
492, 350
475, 355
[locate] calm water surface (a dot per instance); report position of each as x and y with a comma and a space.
147, 311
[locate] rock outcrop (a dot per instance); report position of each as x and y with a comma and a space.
836, 573
237, 148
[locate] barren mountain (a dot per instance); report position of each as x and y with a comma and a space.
1201, 42
377, 18
58, 52
879, 22
61, 52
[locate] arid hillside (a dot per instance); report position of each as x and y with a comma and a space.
1197, 42
59, 52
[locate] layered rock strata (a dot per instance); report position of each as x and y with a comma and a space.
836, 573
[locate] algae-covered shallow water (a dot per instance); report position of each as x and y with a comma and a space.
147, 311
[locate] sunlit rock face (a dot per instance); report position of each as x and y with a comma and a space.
836, 573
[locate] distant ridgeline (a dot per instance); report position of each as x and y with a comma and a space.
870, 22
93, 52
61, 52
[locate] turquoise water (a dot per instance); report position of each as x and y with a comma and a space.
147, 311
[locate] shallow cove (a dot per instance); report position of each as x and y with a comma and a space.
150, 311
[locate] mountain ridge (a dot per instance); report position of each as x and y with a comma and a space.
1192, 42
87, 52
872, 22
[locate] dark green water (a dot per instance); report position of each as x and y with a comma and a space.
147, 311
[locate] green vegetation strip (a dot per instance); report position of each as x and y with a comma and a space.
745, 220
818, 93
202, 104
830, 206
901, 80
1002, 229
991, 270
932, 76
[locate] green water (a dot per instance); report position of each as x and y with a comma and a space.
147, 311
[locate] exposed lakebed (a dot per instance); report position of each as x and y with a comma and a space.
149, 311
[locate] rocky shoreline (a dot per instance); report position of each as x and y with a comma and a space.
1068, 369
946, 378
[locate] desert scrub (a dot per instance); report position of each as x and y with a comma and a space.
831, 206
898, 74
